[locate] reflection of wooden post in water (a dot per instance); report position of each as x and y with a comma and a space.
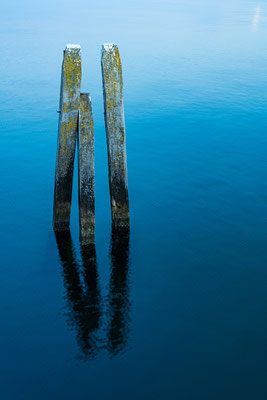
119, 291
83, 300
115, 132
86, 170
67, 127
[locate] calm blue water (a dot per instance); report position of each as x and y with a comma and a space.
177, 310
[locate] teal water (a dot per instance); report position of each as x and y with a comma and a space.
177, 309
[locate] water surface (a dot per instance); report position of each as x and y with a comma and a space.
175, 309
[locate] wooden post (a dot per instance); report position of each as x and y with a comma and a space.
115, 132
67, 128
86, 170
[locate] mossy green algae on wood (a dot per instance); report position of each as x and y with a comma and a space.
115, 132
67, 128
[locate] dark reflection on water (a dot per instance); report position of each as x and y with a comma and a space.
82, 292
119, 292
84, 301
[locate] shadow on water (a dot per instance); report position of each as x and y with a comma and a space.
84, 301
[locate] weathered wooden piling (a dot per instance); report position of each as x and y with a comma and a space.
115, 132
86, 170
67, 128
